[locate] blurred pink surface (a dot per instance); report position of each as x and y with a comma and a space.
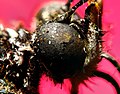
13, 12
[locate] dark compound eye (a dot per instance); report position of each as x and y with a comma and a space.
60, 49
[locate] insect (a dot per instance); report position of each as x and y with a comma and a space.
63, 46
51, 10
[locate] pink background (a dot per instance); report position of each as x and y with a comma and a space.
13, 12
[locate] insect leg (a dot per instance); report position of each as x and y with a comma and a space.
92, 15
109, 79
65, 18
111, 59
73, 9
68, 3
77, 24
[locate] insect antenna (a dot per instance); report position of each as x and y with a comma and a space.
65, 18
68, 3
73, 9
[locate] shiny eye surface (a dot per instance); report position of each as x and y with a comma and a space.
60, 48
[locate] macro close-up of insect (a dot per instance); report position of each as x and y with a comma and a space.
63, 46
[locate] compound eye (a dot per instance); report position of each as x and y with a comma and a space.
60, 47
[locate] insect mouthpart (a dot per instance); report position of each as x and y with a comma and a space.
60, 49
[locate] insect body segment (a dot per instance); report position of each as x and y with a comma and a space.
52, 10
90, 34
14, 59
